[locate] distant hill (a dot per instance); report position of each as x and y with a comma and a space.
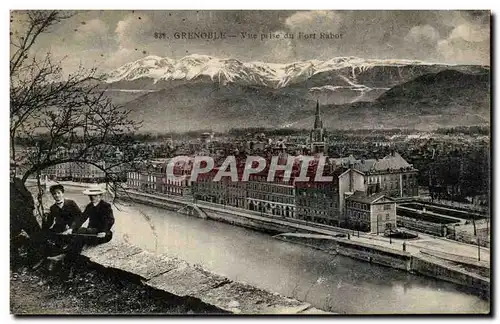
446, 88
201, 92
203, 106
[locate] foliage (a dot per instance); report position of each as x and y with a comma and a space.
62, 118
466, 130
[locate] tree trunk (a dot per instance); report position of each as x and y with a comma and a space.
40, 198
12, 147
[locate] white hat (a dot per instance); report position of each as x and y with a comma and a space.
93, 191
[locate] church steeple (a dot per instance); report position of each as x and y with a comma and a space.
317, 121
318, 138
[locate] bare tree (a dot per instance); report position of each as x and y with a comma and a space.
62, 119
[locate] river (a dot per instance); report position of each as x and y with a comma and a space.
330, 282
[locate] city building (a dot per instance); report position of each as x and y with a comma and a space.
86, 172
370, 213
318, 202
343, 162
153, 178
76, 171
350, 181
256, 146
206, 137
318, 143
204, 188
143, 181
391, 175
352, 198
271, 197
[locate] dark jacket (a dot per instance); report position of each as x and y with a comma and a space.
69, 215
100, 217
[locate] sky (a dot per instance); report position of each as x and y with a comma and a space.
108, 39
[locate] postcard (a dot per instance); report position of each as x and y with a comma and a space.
249, 162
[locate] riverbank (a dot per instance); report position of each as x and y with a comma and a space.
118, 278
259, 260
186, 282
460, 269
191, 284
471, 275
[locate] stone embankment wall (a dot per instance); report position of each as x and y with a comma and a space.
375, 254
219, 214
160, 202
191, 283
424, 264
441, 269
356, 250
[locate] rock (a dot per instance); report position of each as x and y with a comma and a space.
185, 281
233, 304
147, 265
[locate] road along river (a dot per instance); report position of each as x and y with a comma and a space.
329, 282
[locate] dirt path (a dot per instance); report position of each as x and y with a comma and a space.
30, 295
88, 292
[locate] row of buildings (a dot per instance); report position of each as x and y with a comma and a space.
95, 172
362, 194
352, 199
75, 171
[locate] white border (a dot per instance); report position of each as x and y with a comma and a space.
213, 4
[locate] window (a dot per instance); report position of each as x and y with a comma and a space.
387, 207
387, 217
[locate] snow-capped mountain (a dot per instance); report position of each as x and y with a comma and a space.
275, 75
336, 81
195, 66
206, 92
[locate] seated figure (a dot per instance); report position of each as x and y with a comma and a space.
100, 216
64, 215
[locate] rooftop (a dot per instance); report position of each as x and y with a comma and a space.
389, 162
360, 196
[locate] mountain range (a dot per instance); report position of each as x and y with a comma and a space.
205, 92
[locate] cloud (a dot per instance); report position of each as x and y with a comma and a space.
113, 38
92, 29
467, 43
133, 29
460, 51
278, 49
422, 34
418, 44
471, 33
455, 18
314, 21
122, 56
132, 33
